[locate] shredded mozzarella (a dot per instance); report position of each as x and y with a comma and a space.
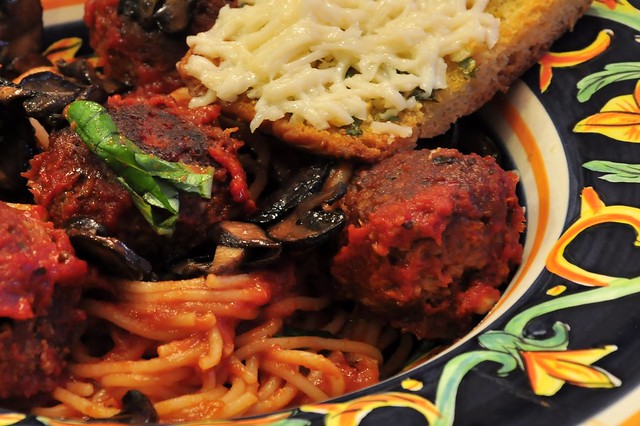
328, 62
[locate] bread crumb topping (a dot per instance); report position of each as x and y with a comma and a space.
327, 63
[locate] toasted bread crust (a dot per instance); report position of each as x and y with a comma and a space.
335, 141
527, 30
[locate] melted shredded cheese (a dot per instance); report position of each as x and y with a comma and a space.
326, 62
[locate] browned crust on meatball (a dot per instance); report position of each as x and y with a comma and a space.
72, 182
431, 237
41, 280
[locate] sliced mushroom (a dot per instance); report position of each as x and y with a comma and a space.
21, 31
227, 260
109, 254
242, 235
169, 16
239, 245
313, 228
136, 409
140, 11
17, 144
242, 244
51, 93
328, 195
339, 177
11, 92
313, 222
190, 268
43, 96
301, 186
173, 16
83, 72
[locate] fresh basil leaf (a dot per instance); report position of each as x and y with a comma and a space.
152, 182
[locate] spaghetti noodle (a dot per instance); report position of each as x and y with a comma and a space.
217, 347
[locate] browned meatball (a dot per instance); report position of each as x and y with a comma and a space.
132, 47
432, 236
20, 32
40, 284
72, 182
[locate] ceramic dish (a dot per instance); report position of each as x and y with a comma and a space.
561, 346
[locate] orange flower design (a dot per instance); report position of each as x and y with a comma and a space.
11, 418
549, 370
618, 119
351, 413
570, 59
593, 212
64, 49
611, 4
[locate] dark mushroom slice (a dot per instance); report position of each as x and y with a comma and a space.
239, 246
136, 409
43, 96
173, 16
11, 92
140, 11
333, 189
302, 185
110, 255
232, 233
83, 72
313, 228
21, 31
312, 222
339, 177
169, 16
17, 143
190, 268
51, 93
242, 245
227, 260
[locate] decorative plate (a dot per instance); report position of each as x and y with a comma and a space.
561, 347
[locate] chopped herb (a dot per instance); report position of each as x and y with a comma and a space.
468, 67
351, 72
152, 182
354, 128
421, 95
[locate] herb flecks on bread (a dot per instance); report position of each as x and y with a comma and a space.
364, 79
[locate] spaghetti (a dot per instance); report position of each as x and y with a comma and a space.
218, 347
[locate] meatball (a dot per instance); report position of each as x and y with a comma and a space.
41, 280
431, 237
71, 182
21, 33
133, 47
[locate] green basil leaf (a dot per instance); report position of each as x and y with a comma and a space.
152, 182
